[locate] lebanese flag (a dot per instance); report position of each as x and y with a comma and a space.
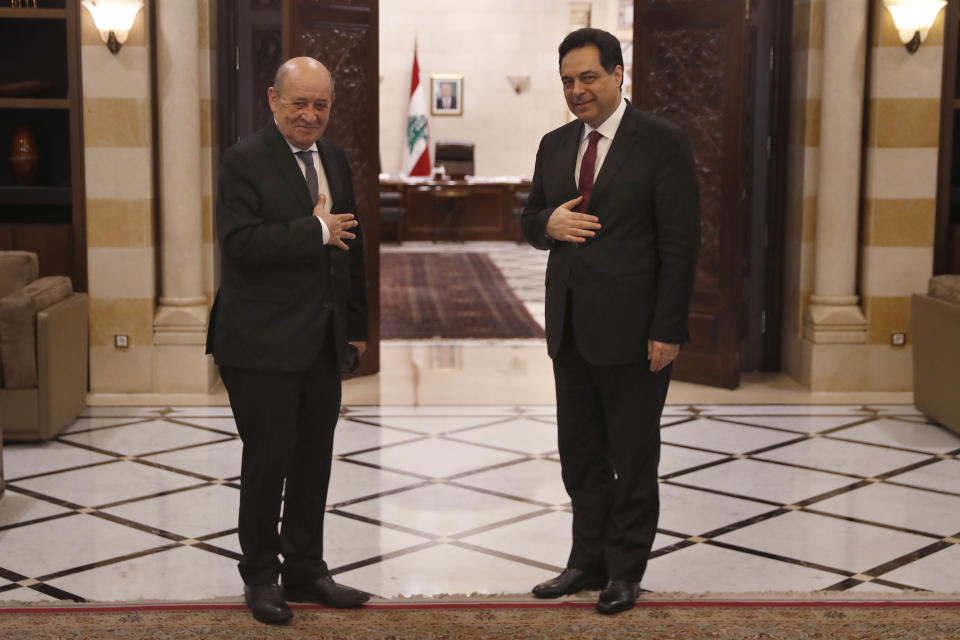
416, 154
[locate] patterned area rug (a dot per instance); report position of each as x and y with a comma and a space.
687, 620
449, 295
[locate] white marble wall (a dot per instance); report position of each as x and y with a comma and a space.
486, 42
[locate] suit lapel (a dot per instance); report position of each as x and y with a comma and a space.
624, 140
567, 156
284, 158
332, 171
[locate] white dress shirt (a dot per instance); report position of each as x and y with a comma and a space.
607, 131
323, 188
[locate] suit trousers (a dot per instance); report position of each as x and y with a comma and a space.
286, 422
608, 420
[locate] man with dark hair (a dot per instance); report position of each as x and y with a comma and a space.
292, 294
614, 199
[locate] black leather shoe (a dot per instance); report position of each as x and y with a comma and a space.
325, 591
570, 581
617, 596
266, 604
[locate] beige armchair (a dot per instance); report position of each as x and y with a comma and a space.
936, 351
44, 338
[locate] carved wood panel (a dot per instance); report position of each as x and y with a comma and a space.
684, 82
266, 59
343, 35
689, 60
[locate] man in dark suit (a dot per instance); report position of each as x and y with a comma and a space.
446, 99
291, 309
614, 198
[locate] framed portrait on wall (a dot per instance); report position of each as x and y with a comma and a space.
446, 94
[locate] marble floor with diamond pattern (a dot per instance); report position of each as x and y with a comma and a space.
443, 483
141, 503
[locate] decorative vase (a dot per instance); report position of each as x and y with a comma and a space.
23, 156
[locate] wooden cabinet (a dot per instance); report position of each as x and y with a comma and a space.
947, 233
459, 210
40, 89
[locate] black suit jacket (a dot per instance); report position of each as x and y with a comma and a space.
633, 281
281, 288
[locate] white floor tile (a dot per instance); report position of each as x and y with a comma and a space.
802, 424
692, 512
528, 436
178, 412
781, 409
673, 459
938, 572
704, 568
24, 594
218, 460
225, 424
898, 506
346, 541
353, 436
15, 507
349, 481
192, 514
229, 542
39, 549
84, 424
440, 510
544, 538
20, 460
388, 412
445, 458
445, 569
183, 573
872, 587
109, 412
896, 409
722, 436
845, 457
943, 475
436, 424
107, 483
142, 438
903, 434
765, 480
832, 542
533, 479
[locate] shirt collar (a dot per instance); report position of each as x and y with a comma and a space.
294, 148
609, 127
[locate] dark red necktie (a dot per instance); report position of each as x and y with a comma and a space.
587, 165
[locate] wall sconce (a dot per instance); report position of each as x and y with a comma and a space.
913, 19
519, 83
114, 19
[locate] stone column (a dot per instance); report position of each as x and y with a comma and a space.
179, 364
834, 315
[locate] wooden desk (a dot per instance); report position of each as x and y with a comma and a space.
457, 209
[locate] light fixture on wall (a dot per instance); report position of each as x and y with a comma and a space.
913, 19
114, 19
519, 83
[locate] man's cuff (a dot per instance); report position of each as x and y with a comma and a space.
326, 231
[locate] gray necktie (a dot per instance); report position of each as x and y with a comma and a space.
312, 181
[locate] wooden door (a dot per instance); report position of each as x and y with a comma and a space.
343, 35
690, 67
946, 258
248, 54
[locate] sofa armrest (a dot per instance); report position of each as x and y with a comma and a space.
18, 338
63, 338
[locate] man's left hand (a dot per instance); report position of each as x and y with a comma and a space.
661, 354
361, 347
